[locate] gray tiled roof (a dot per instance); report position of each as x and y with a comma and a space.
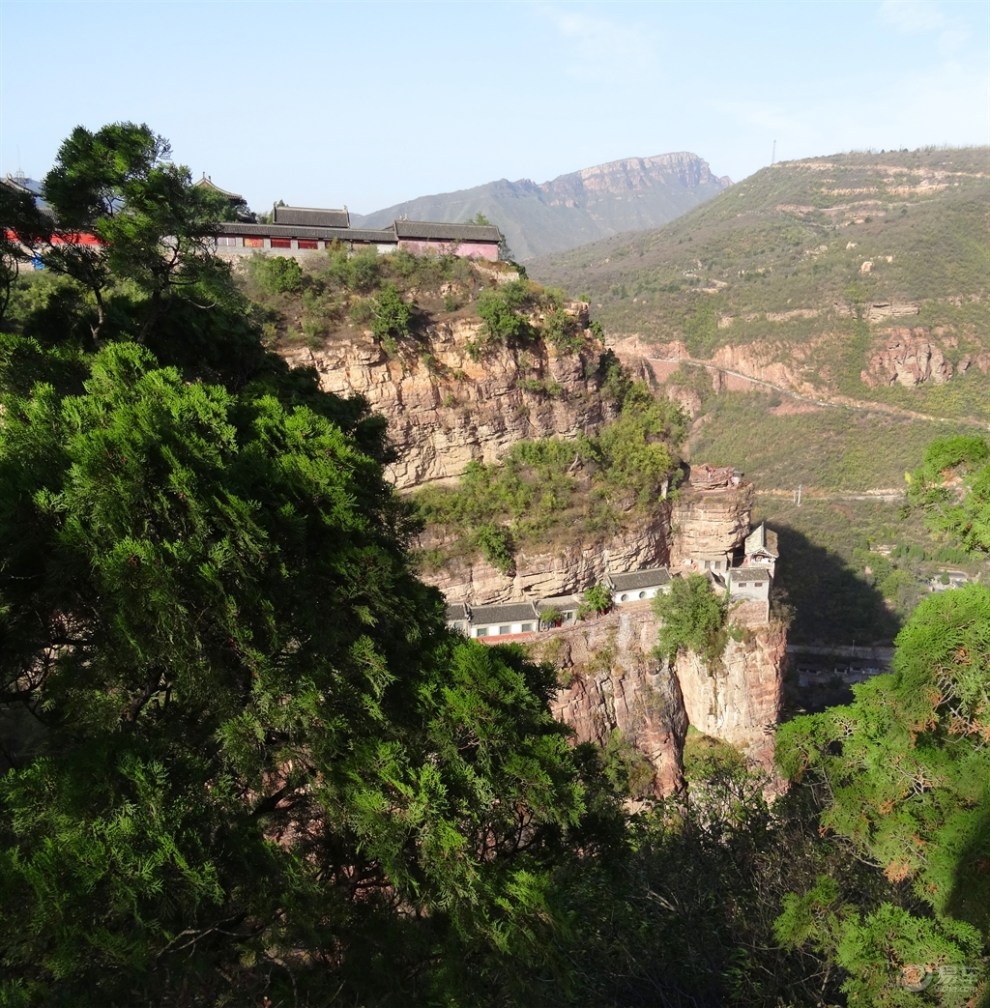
384, 236
208, 183
447, 232
761, 538
456, 611
310, 217
507, 612
640, 579
753, 574
381, 236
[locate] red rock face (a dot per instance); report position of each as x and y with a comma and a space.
614, 682
909, 358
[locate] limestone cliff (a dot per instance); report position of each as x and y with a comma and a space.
613, 681
445, 408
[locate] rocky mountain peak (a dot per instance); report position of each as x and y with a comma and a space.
630, 194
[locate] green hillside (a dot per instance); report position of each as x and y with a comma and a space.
769, 280
780, 258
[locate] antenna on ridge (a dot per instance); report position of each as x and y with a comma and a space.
773, 156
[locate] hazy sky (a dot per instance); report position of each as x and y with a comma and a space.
368, 104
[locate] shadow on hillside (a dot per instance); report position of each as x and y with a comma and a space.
832, 604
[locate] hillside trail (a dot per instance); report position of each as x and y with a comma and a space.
879, 494
834, 401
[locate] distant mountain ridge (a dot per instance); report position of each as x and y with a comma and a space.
538, 219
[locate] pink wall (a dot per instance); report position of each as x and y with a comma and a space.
466, 250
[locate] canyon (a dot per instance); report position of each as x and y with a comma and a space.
445, 407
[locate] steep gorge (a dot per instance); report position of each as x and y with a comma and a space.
447, 405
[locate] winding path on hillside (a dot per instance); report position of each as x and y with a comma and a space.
886, 495
834, 401
880, 494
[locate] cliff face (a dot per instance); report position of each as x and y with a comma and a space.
709, 523
614, 682
444, 409
566, 568
738, 700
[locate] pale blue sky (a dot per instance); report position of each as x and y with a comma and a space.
368, 104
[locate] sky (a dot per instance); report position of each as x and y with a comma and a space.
331, 103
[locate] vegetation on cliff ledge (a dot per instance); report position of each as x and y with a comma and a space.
551, 489
244, 762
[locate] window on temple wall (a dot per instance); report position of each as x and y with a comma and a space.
481, 632
281, 243
307, 243
527, 628
502, 630
226, 240
254, 242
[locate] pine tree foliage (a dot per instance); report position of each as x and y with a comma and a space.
906, 770
242, 755
953, 487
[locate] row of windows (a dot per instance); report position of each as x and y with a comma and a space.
231, 241
502, 631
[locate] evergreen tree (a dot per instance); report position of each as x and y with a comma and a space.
242, 755
905, 771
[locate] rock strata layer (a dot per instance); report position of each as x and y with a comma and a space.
445, 409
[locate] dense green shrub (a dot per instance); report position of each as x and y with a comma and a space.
390, 316
495, 543
276, 274
692, 618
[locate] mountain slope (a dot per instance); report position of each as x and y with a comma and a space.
822, 321
860, 275
574, 209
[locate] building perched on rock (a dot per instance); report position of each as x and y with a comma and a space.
747, 583
638, 586
297, 231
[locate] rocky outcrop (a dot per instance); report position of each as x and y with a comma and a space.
909, 357
758, 366
709, 523
738, 699
445, 408
613, 681
568, 567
